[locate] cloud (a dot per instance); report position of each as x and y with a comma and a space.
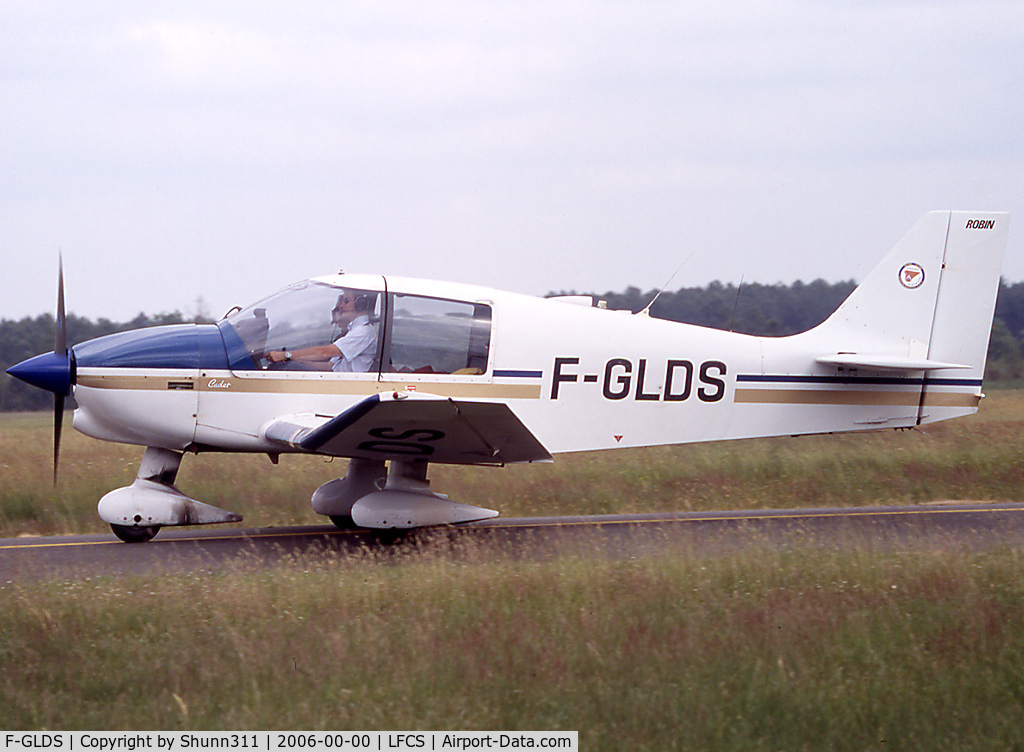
227, 149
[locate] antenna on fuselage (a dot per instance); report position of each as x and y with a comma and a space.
647, 309
736, 304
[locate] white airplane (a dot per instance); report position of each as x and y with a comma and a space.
395, 374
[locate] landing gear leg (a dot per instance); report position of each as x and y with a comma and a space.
136, 512
406, 501
335, 499
394, 498
158, 466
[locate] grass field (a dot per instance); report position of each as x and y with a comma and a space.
789, 650
766, 650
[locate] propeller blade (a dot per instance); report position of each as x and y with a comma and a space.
60, 339
58, 424
60, 348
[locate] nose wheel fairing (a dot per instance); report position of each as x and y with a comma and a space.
137, 511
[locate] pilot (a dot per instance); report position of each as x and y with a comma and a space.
354, 351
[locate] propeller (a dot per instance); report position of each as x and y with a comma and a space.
52, 371
60, 351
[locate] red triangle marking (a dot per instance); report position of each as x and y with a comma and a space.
618, 438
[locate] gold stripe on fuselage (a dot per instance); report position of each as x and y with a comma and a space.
951, 399
461, 389
457, 388
854, 397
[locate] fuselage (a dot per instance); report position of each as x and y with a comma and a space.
578, 377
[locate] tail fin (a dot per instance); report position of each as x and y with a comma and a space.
927, 307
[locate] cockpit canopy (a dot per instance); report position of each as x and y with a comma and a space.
414, 333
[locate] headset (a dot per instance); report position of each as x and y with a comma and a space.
362, 301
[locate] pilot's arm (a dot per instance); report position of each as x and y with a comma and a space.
315, 354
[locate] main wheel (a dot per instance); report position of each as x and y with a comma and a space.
391, 536
343, 522
131, 534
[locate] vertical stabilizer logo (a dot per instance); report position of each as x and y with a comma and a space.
911, 276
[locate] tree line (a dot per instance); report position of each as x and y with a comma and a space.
765, 310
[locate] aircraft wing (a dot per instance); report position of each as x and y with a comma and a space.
415, 426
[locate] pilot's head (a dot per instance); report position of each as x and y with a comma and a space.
351, 303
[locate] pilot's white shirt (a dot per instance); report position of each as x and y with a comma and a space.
358, 347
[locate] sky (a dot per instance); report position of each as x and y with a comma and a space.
191, 156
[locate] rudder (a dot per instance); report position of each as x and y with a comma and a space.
967, 290
966, 303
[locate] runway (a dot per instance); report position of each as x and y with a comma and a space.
957, 526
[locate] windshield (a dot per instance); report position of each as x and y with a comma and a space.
296, 318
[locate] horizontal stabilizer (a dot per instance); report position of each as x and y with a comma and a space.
885, 362
416, 427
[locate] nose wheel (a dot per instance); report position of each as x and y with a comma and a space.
131, 534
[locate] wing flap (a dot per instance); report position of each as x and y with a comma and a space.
415, 426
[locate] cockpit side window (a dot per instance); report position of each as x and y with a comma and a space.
434, 335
